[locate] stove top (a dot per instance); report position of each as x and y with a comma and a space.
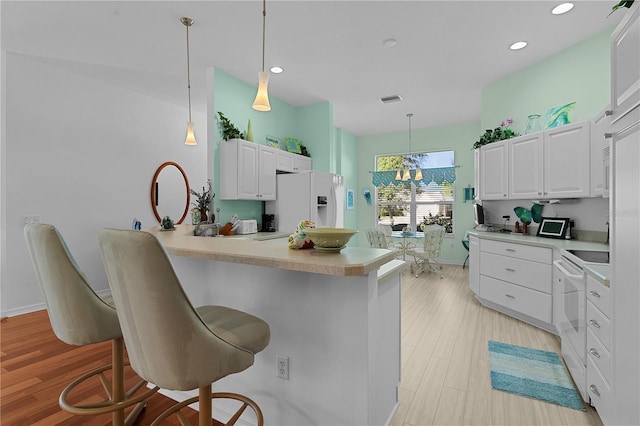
591, 256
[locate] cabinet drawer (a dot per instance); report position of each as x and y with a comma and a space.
529, 302
521, 251
599, 392
533, 275
599, 295
599, 324
599, 355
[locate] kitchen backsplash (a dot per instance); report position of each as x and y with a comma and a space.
590, 215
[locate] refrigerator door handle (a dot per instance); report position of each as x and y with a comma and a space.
334, 203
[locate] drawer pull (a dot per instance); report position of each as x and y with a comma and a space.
510, 270
594, 352
594, 389
510, 296
511, 250
594, 293
594, 323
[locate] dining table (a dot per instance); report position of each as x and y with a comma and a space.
406, 241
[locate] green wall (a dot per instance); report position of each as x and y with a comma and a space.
580, 73
458, 138
313, 125
347, 166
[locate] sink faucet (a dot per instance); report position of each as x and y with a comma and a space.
201, 229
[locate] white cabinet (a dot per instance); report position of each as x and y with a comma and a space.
525, 166
476, 174
247, 171
291, 163
474, 264
625, 71
494, 175
599, 365
516, 279
567, 161
599, 126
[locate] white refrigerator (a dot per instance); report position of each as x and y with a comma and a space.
308, 195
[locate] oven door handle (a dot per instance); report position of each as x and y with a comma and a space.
558, 264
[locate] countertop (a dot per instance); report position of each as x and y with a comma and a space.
273, 253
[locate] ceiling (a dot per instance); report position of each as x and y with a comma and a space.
446, 51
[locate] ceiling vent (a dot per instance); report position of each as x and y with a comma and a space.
389, 99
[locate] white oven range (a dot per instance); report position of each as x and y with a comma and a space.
572, 284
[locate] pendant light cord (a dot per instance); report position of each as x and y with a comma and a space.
410, 115
188, 24
264, 20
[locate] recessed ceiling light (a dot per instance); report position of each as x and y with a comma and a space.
390, 42
562, 8
518, 45
276, 70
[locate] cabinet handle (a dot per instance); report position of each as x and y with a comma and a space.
594, 293
511, 250
608, 112
594, 352
594, 323
594, 389
539, 193
510, 296
608, 135
510, 270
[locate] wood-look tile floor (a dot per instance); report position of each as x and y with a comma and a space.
445, 360
445, 364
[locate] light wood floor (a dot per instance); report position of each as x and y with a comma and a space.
445, 360
445, 365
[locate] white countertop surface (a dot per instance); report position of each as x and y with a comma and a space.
601, 273
273, 253
540, 241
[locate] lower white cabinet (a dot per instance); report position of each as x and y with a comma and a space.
474, 263
599, 344
515, 279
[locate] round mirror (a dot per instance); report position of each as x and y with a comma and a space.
170, 193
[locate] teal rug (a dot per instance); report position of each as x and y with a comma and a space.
532, 373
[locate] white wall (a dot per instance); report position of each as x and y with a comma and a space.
80, 154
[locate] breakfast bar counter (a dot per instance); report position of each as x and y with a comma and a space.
335, 317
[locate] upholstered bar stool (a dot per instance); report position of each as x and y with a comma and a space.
80, 317
171, 343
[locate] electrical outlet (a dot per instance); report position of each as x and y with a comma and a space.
283, 366
30, 219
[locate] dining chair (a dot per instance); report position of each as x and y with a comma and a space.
171, 343
378, 239
425, 257
80, 317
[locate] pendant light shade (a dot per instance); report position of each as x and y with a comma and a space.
191, 137
418, 174
407, 175
261, 103
398, 175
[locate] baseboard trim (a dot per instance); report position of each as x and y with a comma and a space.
40, 306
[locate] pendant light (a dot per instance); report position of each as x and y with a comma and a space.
191, 137
261, 103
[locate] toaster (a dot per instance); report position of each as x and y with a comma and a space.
249, 226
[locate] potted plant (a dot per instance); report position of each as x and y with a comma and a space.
498, 134
203, 200
228, 129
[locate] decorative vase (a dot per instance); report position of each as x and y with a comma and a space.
204, 214
249, 132
533, 124
195, 216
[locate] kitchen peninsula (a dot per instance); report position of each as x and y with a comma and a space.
334, 316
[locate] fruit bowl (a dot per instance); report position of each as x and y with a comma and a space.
329, 239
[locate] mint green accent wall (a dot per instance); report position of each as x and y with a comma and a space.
579, 73
458, 138
347, 166
313, 125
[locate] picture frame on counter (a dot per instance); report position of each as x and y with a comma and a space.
350, 199
553, 227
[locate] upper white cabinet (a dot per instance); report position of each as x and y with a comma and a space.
476, 174
291, 163
247, 171
554, 163
525, 165
625, 72
599, 126
494, 171
567, 153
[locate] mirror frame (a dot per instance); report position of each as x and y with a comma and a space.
154, 191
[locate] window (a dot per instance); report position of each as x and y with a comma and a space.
409, 202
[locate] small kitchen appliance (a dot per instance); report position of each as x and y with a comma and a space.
247, 227
268, 221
